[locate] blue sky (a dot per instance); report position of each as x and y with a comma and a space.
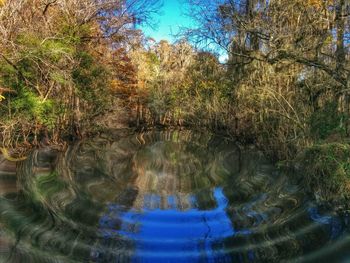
170, 19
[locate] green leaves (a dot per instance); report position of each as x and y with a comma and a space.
325, 171
32, 107
327, 121
52, 49
91, 79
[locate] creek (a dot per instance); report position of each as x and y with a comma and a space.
165, 196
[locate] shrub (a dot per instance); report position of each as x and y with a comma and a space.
325, 171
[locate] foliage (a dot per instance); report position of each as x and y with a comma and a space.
71, 67
181, 86
91, 80
325, 171
285, 84
288, 68
327, 121
57, 64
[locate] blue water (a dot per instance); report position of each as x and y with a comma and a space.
172, 235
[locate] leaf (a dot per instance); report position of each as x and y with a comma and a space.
2, 98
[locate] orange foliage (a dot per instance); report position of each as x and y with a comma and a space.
124, 81
315, 3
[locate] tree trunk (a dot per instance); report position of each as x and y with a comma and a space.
340, 23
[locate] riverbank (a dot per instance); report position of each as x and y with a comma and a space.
322, 168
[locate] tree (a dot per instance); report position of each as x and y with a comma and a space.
282, 30
57, 57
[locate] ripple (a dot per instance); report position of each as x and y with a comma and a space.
161, 197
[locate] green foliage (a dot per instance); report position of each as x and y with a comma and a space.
53, 49
59, 78
183, 85
326, 121
8, 75
92, 80
33, 108
74, 33
325, 171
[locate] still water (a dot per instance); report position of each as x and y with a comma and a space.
161, 197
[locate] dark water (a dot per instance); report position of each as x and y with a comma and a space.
161, 197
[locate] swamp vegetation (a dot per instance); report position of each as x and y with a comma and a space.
274, 74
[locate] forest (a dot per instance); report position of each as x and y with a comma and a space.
72, 68
228, 143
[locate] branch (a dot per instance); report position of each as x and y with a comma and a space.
47, 6
20, 73
312, 63
7, 90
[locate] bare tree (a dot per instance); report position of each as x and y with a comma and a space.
282, 30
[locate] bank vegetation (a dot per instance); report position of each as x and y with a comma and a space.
70, 68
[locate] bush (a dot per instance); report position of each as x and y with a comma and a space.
325, 171
326, 121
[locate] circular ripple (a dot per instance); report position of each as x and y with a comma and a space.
161, 197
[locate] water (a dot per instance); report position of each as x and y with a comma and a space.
161, 197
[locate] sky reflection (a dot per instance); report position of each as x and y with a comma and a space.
172, 235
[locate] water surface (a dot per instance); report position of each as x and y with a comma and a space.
161, 197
